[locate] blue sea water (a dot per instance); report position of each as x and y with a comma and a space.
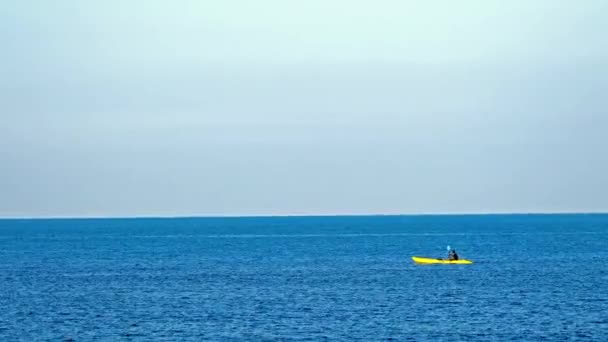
535, 277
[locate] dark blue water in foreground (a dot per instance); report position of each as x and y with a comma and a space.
316, 278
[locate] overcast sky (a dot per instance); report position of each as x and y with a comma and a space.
129, 108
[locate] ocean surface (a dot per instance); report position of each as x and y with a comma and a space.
344, 278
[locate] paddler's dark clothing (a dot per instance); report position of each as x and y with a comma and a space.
452, 255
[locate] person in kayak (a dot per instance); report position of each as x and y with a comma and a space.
452, 255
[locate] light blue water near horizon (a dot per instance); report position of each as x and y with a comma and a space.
305, 278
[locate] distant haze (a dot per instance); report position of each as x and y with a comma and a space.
129, 108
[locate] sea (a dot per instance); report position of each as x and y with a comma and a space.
334, 278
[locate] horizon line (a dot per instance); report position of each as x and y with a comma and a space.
194, 216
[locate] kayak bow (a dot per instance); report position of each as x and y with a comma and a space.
422, 260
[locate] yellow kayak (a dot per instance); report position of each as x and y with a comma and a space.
421, 260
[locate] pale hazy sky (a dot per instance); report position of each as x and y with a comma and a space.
299, 107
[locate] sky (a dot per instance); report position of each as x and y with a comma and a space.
273, 107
